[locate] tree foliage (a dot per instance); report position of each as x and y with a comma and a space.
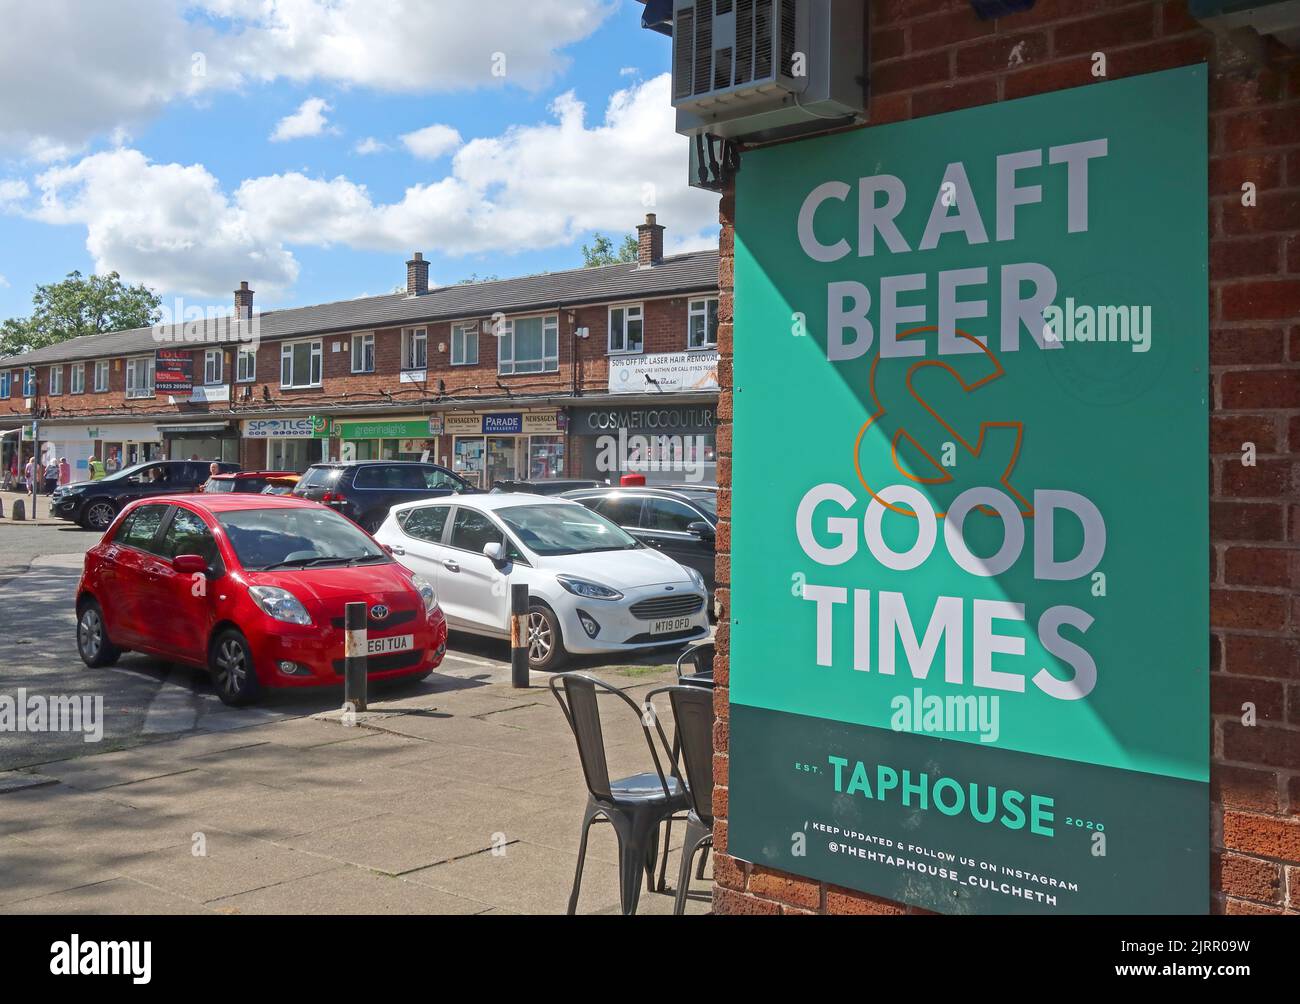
601, 251
79, 305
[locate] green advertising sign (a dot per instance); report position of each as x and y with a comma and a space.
970, 575
385, 430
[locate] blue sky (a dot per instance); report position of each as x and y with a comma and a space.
145, 143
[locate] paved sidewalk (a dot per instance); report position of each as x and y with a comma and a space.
42, 509
464, 800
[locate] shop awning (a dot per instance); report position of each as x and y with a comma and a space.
195, 427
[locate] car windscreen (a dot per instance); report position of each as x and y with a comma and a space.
555, 529
126, 472
266, 539
218, 485
706, 502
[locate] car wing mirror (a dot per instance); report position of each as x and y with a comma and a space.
701, 529
190, 564
495, 552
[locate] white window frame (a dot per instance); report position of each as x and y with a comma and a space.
362, 342
315, 361
101, 366
214, 364
245, 373
77, 378
53, 391
6, 384
626, 310
410, 338
133, 366
694, 309
507, 365
462, 337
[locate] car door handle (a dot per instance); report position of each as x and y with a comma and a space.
451, 566
397, 549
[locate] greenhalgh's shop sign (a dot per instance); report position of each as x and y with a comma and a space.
971, 619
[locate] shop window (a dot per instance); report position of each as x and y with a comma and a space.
464, 345
139, 377
702, 324
56, 381
213, 360
530, 345
415, 349
363, 353
101, 377
300, 364
626, 329
545, 457
78, 379
245, 366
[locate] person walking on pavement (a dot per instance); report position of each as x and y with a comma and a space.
96, 469
29, 473
65, 471
51, 475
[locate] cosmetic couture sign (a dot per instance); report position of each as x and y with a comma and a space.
970, 612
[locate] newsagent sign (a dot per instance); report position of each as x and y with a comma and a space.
969, 656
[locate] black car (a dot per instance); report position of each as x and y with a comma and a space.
94, 504
681, 521
364, 490
544, 486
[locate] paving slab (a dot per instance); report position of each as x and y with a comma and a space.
395, 844
348, 890
116, 896
282, 815
29, 871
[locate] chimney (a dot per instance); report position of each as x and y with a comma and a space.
417, 275
650, 242
243, 301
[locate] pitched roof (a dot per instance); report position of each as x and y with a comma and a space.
684, 273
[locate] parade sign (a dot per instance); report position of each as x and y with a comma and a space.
970, 603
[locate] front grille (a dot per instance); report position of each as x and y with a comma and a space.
667, 606
667, 638
384, 663
395, 618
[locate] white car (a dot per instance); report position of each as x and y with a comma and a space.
592, 587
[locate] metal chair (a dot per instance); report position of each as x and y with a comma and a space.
635, 805
693, 720
701, 658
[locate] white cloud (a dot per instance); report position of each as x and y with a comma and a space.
167, 225
309, 120
628, 71
370, 145
531, 187
12, 192
84, 69
431, 142
4, 283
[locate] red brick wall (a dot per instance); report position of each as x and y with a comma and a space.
930, 56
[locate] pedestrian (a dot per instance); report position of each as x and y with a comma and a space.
51, 475
97, 470
213, 470
65, 471
29, 474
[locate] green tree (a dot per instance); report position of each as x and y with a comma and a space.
79, 305
601, 251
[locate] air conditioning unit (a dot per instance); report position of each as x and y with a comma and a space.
759, 70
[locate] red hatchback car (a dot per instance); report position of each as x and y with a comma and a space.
254, 588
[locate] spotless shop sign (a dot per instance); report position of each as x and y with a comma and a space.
970, 618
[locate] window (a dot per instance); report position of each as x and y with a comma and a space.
702, 324
29, 382
668, 514
472, 530
626, 329
56, 381
245, 366
101, 377
300, 364
188, 534
426, 523
363, 353
530, 345
6, 384
415, 346
213, 360
620, 509
141, 527
139, 377
464, 345
78, 378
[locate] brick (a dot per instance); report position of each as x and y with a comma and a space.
947, 29
728, 872
1293, 795
1272, 388
1268, 836
785, 888
1231, 520
1260, 566
1002, 53
1244, 908
1229, 434
848, 901
1244, 788
1266, 479
1250, 89
1263, 170
1293, 887
1055, 76
889, 43
1247, 878
1273, 211
1176, 19
885, 12
1257, 655
1106, 31
1244, 608
1260, 300
728, 901
1251, 257
951, 97
1235, 346
1261, 744
885, 108
1259, 128
1229, 693
910, 73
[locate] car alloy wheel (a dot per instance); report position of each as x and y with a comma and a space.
99, 515
232, 669
93, 644
540, 638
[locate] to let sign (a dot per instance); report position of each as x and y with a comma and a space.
969, 655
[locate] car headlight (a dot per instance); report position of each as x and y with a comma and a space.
588, 590
280, 604
425, 588
695, 576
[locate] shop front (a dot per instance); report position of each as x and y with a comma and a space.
507, 446
402, 438
668, 444
285, 444
201, 441
118, 445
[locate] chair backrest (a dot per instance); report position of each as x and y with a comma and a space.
693, 716
581, 708
700, 658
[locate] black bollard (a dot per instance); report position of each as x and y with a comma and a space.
20, 512
356, 657
519, 635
